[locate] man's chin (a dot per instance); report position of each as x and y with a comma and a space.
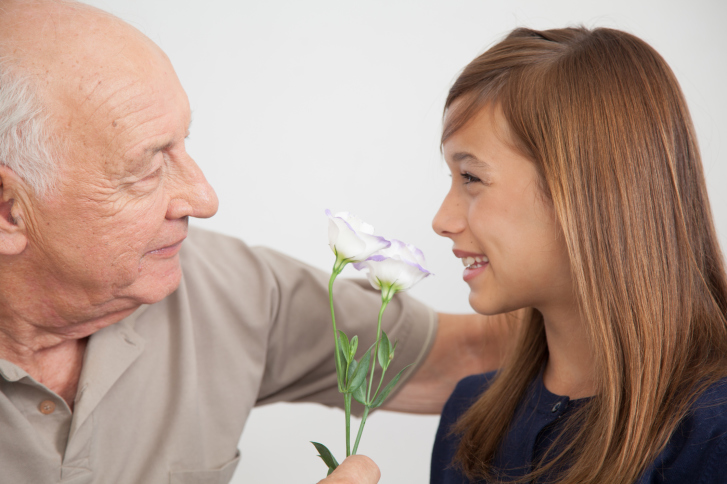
153, 287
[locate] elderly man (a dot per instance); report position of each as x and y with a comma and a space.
127, 354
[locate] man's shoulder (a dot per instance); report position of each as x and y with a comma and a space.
211, 245
221, 262
225, 262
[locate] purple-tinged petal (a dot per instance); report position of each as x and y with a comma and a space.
352, 239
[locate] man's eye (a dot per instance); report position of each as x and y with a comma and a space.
152, 176
469, 178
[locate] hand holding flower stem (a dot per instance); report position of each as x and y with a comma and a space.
392, 267
351, 240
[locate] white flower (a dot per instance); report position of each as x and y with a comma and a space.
351, 238
396, 268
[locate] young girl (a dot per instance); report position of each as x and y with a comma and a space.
578, 194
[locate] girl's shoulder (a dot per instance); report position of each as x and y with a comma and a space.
707, 417
474, 384
714, 396
697, 450
467, 391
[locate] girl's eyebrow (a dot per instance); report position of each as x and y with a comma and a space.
469, 158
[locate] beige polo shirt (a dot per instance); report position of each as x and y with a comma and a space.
164, 394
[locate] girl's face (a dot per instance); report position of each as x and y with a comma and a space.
503, 227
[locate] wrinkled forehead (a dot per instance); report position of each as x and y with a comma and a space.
72, 51
97, 78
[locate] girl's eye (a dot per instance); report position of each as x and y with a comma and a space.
469, 178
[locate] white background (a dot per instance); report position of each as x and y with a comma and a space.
300, 106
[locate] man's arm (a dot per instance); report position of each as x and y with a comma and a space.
465, 344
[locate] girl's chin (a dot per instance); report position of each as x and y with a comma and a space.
489, 303
484, 305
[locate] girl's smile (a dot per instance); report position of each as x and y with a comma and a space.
474, 264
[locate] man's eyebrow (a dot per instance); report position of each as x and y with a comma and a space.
156, 148
463, 156
161, 147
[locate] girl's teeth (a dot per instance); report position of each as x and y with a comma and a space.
469, 261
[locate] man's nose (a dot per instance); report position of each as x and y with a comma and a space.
449, 220
193, 196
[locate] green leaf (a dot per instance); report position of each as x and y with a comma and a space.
358, 377
340, 369
326, 456
343, 346
351, 368
393, 349
379, 400
360, 394
353, 347
384, 350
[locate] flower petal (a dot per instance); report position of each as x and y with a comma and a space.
351, 238
399, 266
343, 239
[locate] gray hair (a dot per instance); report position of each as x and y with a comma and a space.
25, 137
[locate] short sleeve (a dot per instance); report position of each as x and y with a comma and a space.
299, 363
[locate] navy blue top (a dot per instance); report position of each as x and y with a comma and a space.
696, 452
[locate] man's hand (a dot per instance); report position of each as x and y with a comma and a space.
357, 469
466, 344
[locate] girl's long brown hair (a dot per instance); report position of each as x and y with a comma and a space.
602, 116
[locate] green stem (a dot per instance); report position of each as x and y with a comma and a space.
347, 406
384, 302
360, 429
340, 372
337, 268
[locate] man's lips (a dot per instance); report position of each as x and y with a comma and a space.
170, 249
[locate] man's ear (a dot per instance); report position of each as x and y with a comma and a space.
13, 237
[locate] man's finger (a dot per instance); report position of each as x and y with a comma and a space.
357, 469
